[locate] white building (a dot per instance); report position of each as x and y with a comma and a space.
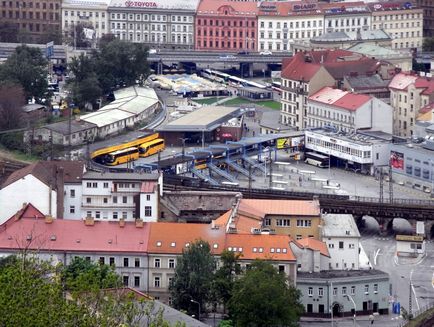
93, 13
342, 237
41, 183
360, 151
348, 112
167, 24
280, 23
113, 196
312, 255
346, 17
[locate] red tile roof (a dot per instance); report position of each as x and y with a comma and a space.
297, 69
173, 237
402, 81
70, 235
262, 246
313, 244
45, 171
260, 207
148, 187
339, 98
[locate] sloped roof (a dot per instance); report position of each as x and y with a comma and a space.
340, 99
241, 8
261, 207
402, 81
313, 244
29, 229
45, 171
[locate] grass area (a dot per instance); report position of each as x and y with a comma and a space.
207, 100
17, 155
270, 104
421, 320
238, 101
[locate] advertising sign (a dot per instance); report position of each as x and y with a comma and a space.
143, 4
397, 160
283, 143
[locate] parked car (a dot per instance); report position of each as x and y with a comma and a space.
243, 52
152, 51
265, 53
226, 57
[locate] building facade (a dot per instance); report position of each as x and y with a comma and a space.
327, 292
346, 17
160, 24
408, 95
35, 18
428, 17
113, 196
402, 20
91, 14
281, 23
348, 112
226, 26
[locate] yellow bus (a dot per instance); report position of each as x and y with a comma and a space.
149, 148
121, 156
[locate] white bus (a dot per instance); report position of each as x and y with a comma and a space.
316, 159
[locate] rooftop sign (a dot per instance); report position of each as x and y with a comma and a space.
304, 6
142, 4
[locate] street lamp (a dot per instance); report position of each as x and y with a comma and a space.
193, 301
183, 139
354, 304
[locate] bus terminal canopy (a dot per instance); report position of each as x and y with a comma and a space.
204, 119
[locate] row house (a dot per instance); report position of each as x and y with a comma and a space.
162, 24
347, 112
280, 23
409, 93
402, 20
226, 26
90, 14
113, 197
144, 254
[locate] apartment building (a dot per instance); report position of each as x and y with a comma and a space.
226, 26
402, 20
88, 13
428, 17
162, 24
113, 197
346, 17
35, 18
346, 111
281, 23
409, 93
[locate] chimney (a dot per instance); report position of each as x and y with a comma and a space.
139, 223
48, 219
122, 222
89, 221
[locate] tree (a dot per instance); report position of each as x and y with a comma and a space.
224, 277
8, 32
28, 68
11, 102
193, 277
77, 36
428, 44
263, 297
51, 34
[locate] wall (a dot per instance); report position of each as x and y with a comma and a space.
26, 190
297, 232
343, 258
72, 201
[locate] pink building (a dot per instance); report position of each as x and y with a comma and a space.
226, 26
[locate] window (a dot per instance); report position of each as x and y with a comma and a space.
105, 185
366, 289
335, 291
136, 281
375, 288
331, 246
88, 185
267, 222
320, 291
353, 290
115, 199
97, 214
148, 211
344, 290
310, 291
95, 185
171, 263
115, 215
89, 214
281, 268
126, 262
341, 244
136, 262
112, 261
148, 197
72, 193
88, 200
157, 263
124, 215
283, 222
71, 209
125, 280
351, 246
101, 260
124, 199
157, 282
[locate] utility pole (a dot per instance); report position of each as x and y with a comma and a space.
69, 131
390, 184
250, 180
381, 185
271, 175
410, 309
51, 145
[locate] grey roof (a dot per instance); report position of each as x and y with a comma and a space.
76, 126
341, 274
373, 50
204, 119
32, 107
271, 119
339, 225
367, 82
351, 36
120, 176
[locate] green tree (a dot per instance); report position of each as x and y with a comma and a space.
263, 297
193, 277
428, 44
11, 103
224, 277
77, 36
28, 68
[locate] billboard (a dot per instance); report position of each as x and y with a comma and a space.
283, 143
397, 160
